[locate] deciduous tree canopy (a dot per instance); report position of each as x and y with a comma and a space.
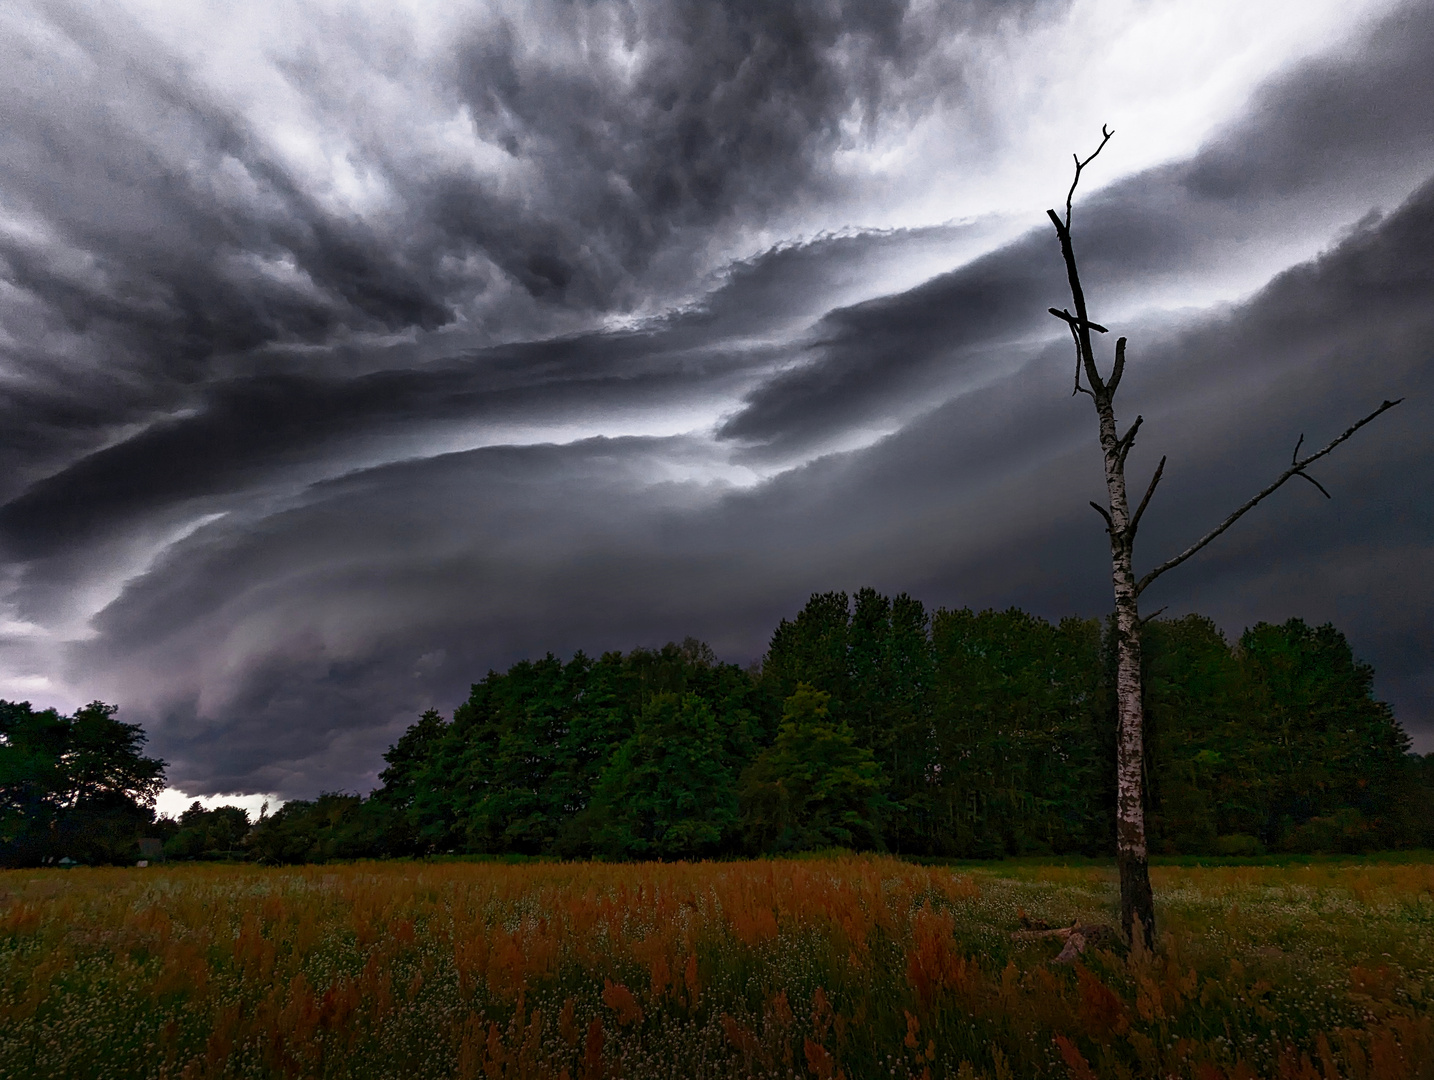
74, 787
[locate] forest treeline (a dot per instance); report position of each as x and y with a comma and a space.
871, 724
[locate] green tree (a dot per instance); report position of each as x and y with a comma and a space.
669, 791
314, 831
1020, 764
1207, 772
76, 786
209, 834
873, 655
814, 786
393, 815
813, 648
518, 767
513, 728
891, 678
1416, 803
1329, 747
990, 733
408, 758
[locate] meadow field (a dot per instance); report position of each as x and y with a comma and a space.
849, 966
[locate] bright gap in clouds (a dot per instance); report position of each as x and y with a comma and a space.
172, 802
1167, 75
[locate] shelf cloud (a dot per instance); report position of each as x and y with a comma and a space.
345, 356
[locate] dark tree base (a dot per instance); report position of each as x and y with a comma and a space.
1137, 903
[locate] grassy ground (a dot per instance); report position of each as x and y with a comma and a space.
866, 967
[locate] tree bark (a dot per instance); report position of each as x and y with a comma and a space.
1137, 904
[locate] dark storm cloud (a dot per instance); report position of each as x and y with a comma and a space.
251, 429
178, 245
435, 570
1322, 144
1333, 120
375, 586
726, 109
172, 241
195, 324
247, 432
167, 219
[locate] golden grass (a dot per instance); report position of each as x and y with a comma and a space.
855, 967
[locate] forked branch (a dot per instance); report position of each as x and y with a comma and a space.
1126, 441
1079, 389
1079, 164
1297, 467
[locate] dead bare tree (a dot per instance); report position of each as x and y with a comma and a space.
1136, 901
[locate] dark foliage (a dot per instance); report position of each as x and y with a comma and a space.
333, 826
221, 833
814, 787
72, 787
670, 789
869, 724
1022, 738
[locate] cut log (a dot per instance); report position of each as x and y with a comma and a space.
1078, 937
1033, 935
1075, 945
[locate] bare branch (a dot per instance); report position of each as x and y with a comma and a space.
1119, 368
1135, 521
1081, 323
1295, 469
1062, 313
1306, 476
1296, 455
1154, 614
1079, 165
1109, 525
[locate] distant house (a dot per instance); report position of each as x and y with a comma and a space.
151, 849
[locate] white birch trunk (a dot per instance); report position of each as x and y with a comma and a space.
1137, 905
1136, 899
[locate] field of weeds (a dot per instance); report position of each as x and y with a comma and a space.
862, 967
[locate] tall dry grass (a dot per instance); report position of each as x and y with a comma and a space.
856, 967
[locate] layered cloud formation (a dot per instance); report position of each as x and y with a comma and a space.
347, 355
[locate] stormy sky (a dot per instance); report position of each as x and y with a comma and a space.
348, 350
